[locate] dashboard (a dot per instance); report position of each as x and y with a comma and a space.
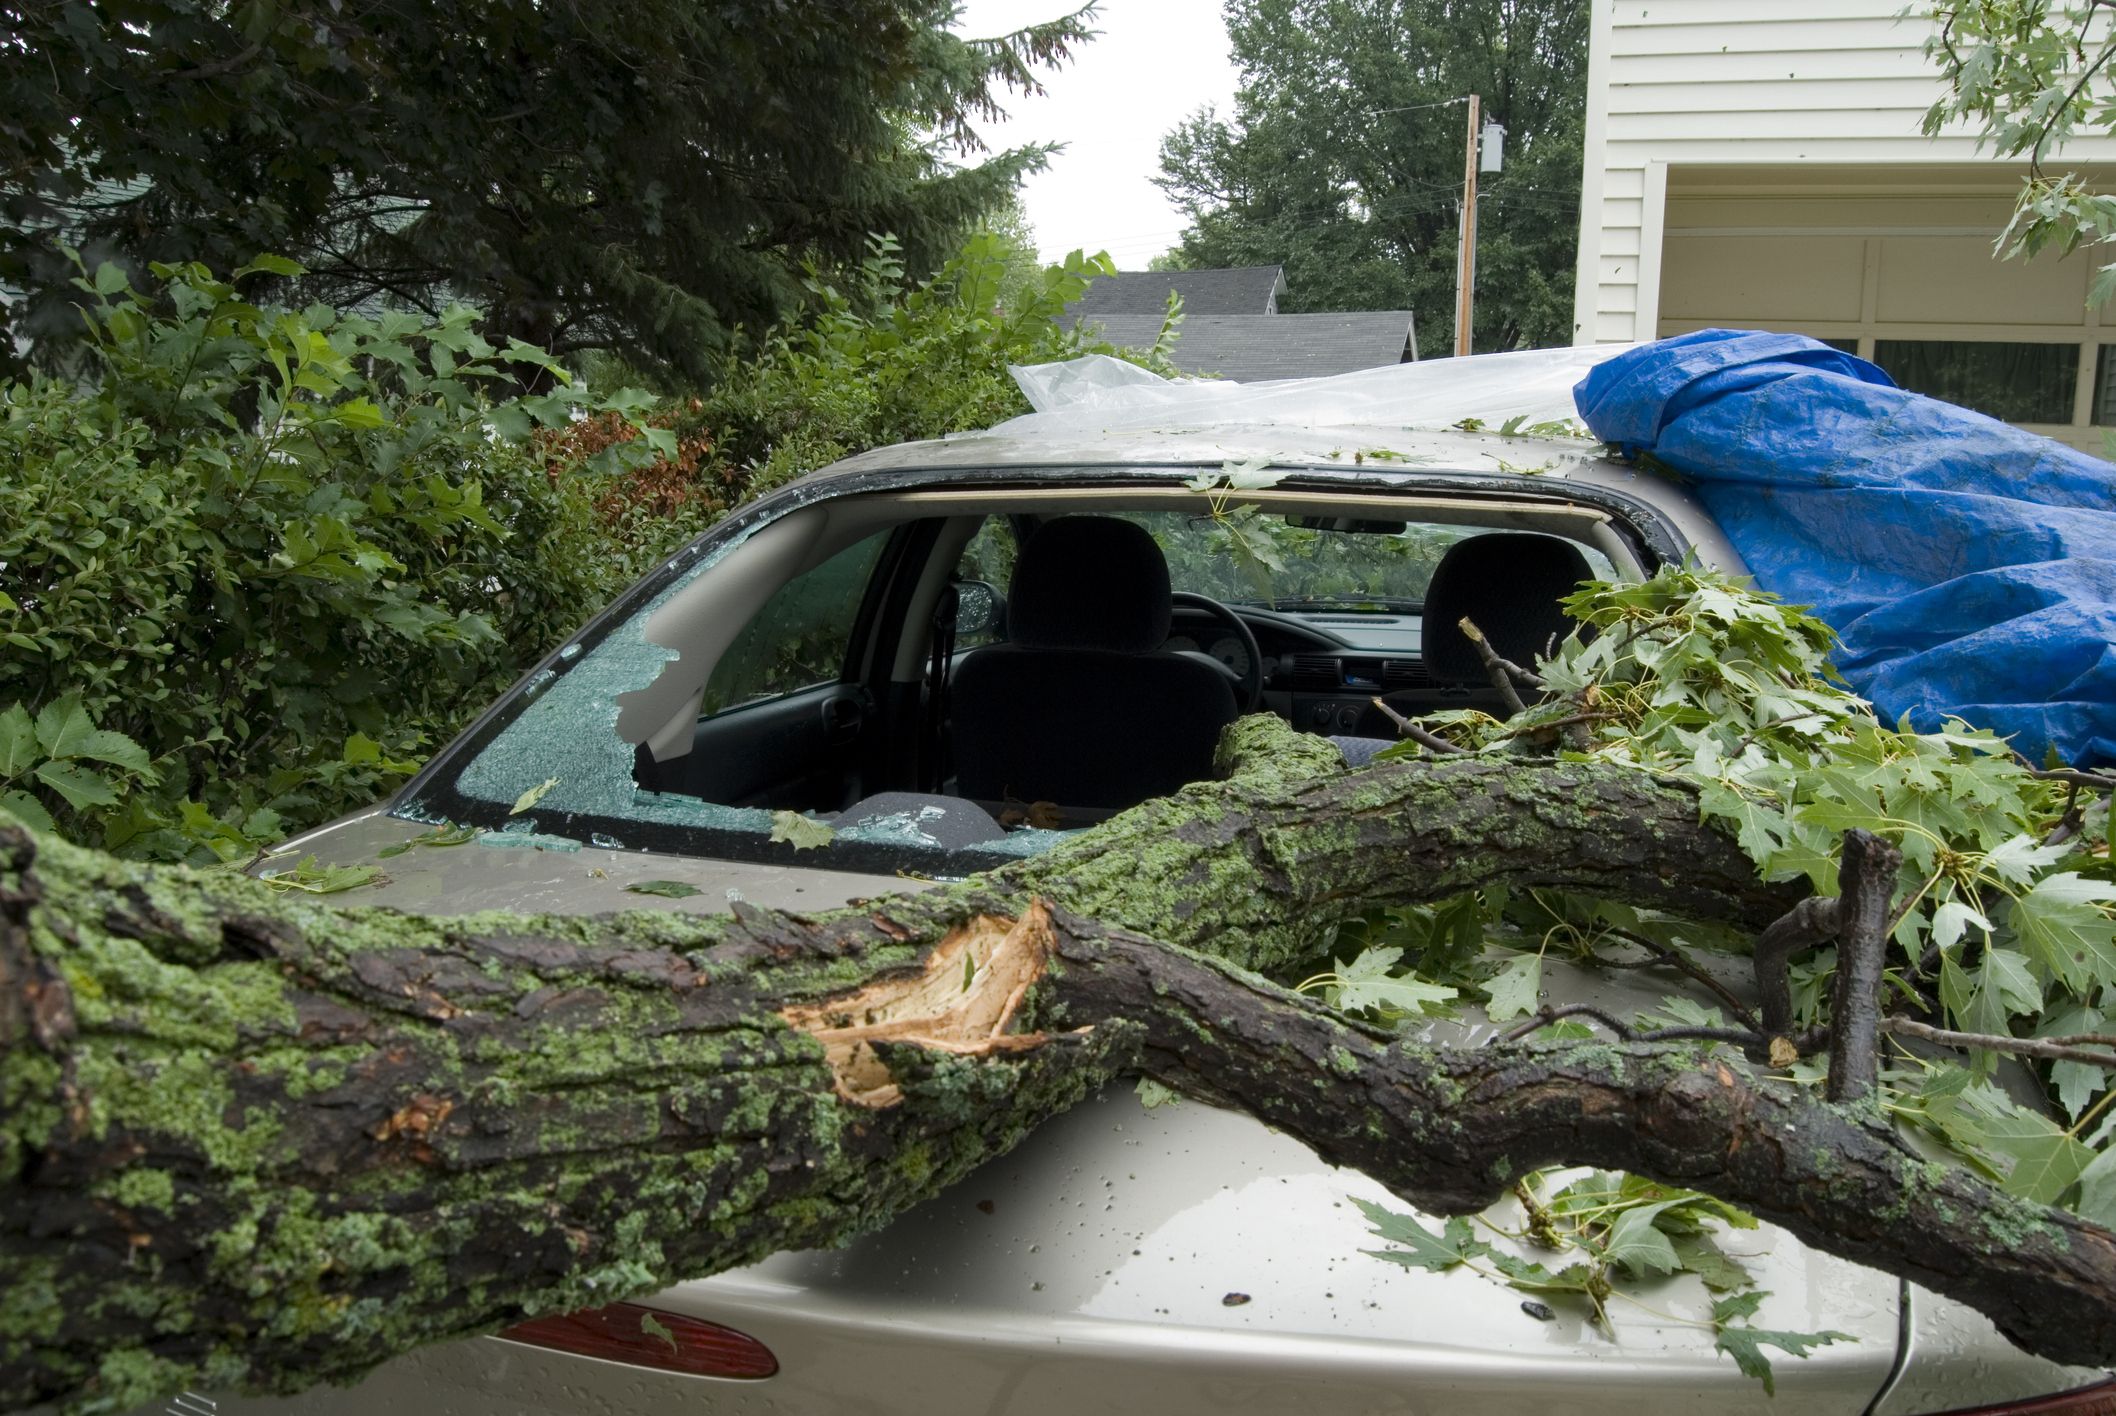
1322, 670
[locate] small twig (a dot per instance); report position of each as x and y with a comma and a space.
1803, 926
2069, 820
2053, 1049
1499, 671
1574, 720
1673, 959
1419, 735
1866, 888
2095, 780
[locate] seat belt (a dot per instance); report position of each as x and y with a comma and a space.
935, 768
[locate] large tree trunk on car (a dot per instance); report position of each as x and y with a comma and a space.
247, 1139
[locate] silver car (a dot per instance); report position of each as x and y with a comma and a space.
818, 652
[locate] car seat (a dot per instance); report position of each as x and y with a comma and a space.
1080, 708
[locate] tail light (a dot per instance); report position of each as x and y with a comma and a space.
2096, 1400
649, 1337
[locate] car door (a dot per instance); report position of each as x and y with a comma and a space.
783, 715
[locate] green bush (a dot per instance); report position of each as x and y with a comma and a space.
887, 361
260, 559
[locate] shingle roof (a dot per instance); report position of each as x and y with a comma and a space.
1244, 290
1248, 348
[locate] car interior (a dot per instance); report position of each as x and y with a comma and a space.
1047, 658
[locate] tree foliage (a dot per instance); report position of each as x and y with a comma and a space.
2030, 75
1343, 158
647, 175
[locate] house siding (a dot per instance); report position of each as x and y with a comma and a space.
1682, 83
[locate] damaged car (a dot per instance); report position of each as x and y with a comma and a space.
933, 659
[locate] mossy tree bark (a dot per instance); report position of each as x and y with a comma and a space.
247, 1140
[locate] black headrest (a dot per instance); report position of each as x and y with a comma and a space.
1507, 583
1089, 582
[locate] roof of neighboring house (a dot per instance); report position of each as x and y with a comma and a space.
1249, 348
1244, 290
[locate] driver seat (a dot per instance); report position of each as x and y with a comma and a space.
1081, 708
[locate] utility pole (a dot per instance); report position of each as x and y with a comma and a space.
1466, 257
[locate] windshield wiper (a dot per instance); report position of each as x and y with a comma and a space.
1390, 604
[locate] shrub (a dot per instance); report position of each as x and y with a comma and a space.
280, 552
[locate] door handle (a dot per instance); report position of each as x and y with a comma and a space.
843, 715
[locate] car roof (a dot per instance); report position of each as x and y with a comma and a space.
1395, 458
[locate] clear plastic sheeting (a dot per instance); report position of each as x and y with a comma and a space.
1968, 567
1096, 393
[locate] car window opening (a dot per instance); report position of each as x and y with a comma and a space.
977, 678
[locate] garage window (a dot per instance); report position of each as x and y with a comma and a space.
2019, 383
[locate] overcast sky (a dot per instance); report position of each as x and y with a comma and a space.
1155, 63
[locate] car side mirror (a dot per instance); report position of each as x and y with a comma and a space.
979, 608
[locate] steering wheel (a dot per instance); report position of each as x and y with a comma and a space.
1249, 686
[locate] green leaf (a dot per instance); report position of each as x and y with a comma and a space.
668, 889
1745, 1345
313, 879
801, 832
1700, 1254
2062, 926
81, 786
271, 265
1421, 1248
27, 810
1951, 920
1366, 984
1516, 988
359, 413
1741, 1305
102, 745
1252, 476
1637, 1245
1533, 1277
63, 726
2097, 1184
2046, 1161
18, 741
531, 797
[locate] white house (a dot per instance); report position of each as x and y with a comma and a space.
1758, 164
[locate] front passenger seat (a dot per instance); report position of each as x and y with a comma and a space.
1080, 709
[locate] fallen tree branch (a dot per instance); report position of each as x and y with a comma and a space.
255, 1140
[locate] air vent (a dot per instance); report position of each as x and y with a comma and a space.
1315, 673
1361, 674
1404, 673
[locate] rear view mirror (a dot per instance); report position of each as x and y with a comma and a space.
979, 608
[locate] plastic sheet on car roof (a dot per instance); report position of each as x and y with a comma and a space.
1096, 393
1968, 567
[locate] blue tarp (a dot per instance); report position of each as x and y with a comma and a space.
1968, 567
